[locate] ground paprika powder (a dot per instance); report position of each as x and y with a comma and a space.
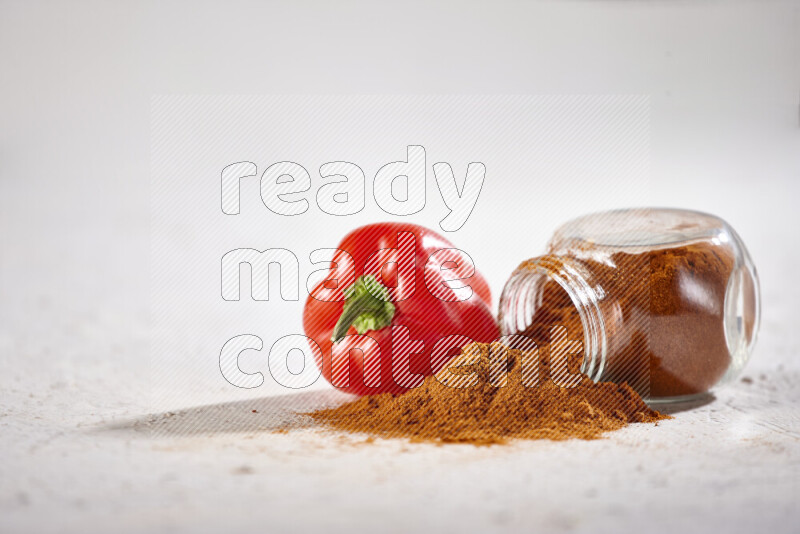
484, 409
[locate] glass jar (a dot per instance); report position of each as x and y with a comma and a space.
666, 300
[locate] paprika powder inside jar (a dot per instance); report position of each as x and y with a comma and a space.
665, 300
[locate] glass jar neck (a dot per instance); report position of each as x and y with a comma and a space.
522, 297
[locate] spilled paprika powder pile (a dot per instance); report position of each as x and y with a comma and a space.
469, 401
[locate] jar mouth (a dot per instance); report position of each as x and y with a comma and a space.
523, 298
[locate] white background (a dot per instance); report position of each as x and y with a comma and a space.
75, 92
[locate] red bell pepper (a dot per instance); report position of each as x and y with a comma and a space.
397, 304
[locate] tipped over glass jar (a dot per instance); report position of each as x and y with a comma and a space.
666, 300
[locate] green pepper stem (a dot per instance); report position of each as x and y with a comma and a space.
366, 307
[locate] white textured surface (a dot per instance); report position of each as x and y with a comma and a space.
80, 454
75, 427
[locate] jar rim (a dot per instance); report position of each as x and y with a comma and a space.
520, 294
